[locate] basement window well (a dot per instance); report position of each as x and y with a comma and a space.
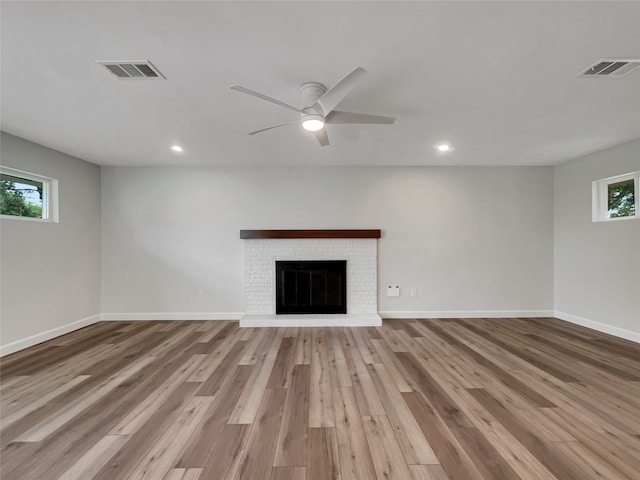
616, 198
27, 196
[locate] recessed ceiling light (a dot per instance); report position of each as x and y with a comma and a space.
443, 147
177, 148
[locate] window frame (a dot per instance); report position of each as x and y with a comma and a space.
49, 195
600, 197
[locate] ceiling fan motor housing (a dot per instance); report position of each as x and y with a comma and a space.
310, 93
312, 120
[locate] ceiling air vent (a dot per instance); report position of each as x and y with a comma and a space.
611, 67
142, 70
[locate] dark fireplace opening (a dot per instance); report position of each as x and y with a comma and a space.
312, 286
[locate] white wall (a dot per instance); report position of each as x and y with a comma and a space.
50, 276
469, 239
597, 265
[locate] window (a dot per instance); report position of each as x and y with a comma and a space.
616, 198
28, 196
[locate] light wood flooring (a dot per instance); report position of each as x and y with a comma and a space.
482, 399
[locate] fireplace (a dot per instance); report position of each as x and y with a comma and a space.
311, 287
357, 248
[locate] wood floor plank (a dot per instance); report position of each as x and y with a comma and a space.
400, 377
210, 332
322, 461
405, 326
523, 463
523, 408
31, 363
291, 447
68, 412
224, 460
183, 474
33, 387
67, 444
355, 456
472, 399
11, 382
367, 352
93, 461
257, 458
366, 394
248, 404
513, 383
338, 369
14, 456
248, 334
577, 353
467, 372
561, 466
414, 445
205, 437
9, 418
565, 396
392, 339
427, 472
150, 405
159, 460
578, 370
303, 347
443, 404
145, 438
452, 456
614, 448
594, 465
211, 386
525, 354
288, 473
282, 367
320, 396
221, 347
257, 345
388, 460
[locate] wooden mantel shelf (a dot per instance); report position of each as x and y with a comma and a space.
264, 234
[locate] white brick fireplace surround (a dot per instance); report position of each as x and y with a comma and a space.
260, 255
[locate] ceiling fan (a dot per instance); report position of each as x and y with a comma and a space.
319, 104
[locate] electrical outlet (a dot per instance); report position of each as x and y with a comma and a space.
393, 291
200, 294
414, 292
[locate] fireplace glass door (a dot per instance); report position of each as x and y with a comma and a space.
308, 287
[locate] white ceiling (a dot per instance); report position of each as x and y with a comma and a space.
495, 79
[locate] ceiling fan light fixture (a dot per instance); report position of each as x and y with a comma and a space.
312, 123
319, 103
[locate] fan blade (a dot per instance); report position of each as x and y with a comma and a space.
274, 126
337, 117
322, 137
264, 97
332, 97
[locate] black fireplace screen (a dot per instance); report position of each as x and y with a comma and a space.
316, 286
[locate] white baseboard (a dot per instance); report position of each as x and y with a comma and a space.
172, 316
338, 320
48, 335
600, 327
467, 314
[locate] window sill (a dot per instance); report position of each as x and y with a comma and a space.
26, 219
601, 220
